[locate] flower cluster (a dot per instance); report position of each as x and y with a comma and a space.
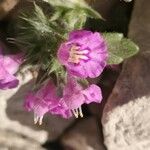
45, 100
83, 55
62, 61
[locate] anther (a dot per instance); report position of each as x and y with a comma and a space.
76, 55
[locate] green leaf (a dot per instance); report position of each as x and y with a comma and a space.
67, 3
83, 82
92, 13
75, 4
119, 48
127, 48
114, 59
72, 13
113, 36
75, 19
55, 67
39, 13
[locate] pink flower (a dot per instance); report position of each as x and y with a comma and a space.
75, 95
43, 101
61, 109
84, 54
9, 65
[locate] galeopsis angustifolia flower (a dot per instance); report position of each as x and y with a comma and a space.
75, 95
84, 54
45, 100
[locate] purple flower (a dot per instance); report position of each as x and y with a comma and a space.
61, 109
45, 100
84, 54
75, 95
9, 65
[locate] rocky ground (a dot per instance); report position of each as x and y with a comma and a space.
126, 124
125, 108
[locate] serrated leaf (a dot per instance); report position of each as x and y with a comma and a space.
119, 48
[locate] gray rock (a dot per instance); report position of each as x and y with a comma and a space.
9, 140
126, 115
6, 6
85, 135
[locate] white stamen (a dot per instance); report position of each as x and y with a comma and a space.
83, 57
35, 119
80, 112
76, 110
75, 113
40, 120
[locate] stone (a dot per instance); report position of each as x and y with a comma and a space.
6, 6
126, 115
84, 135
13, 141
103, 7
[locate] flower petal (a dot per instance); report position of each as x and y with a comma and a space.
93, 94
7, 81
63, 53
12, 63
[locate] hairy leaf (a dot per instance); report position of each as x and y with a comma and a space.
119, 48
75, 4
